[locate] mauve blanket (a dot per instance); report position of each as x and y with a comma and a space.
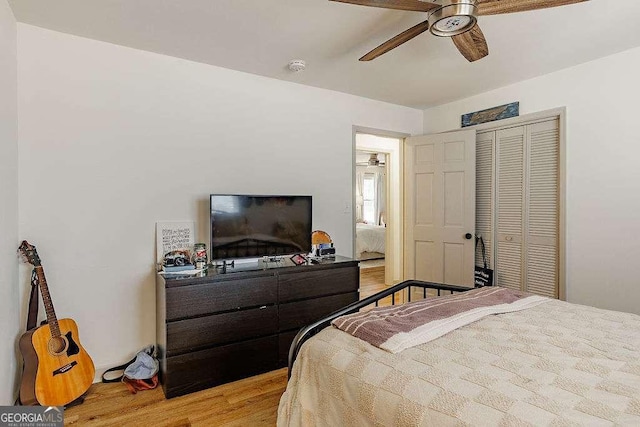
399, 327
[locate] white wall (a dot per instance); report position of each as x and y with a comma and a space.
9, 325
113, 139
603, 176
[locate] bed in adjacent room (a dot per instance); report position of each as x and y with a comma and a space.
551, 363
370, 241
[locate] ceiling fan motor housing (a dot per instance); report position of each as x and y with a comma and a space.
453, 17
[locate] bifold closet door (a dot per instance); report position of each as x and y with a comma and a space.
485, 147
542, 220
526, 207
510, 194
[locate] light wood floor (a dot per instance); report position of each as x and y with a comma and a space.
371, 281
249, 402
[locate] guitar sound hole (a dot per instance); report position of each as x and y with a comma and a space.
57, 345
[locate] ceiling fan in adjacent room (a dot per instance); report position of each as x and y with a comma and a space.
373, 160
453, 18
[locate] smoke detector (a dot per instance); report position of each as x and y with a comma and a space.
297, 65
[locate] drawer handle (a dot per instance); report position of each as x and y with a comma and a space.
263, 307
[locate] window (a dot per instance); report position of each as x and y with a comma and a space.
369, 196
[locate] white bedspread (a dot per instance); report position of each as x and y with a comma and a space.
370, 238
556, 364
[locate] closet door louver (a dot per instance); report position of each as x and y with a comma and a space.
541, 260
510, 145
484, 194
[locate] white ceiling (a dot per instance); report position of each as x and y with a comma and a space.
261, 36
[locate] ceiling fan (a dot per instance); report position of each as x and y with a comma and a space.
372, 161
453, 18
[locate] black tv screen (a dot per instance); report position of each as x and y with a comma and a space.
244, 226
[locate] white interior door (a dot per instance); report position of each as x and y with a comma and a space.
439, 176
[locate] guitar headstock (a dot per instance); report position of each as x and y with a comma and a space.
29, 252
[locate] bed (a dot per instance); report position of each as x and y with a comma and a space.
370, 241
555, 364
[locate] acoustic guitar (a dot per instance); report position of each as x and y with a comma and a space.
57, 369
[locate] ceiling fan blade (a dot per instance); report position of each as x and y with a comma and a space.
403, 37
413, 5
496, 7
472, 44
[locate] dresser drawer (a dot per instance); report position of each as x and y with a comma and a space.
301, 313
300, 285
207, 368
190, 334
196, 300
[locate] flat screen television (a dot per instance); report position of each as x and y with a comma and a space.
247, 226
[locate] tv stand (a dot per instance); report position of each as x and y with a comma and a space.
234, 322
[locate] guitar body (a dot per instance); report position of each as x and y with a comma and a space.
56, 370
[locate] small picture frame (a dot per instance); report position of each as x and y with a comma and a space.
298, 259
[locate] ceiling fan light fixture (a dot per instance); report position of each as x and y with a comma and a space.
373, 160
453, 18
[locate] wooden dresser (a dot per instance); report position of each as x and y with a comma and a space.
223, 326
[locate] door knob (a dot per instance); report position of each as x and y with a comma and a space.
468, 236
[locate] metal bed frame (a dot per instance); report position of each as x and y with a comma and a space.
309, 331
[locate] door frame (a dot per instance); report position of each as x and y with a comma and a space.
394, 256
560, 114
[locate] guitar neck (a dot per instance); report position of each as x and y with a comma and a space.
52, 320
